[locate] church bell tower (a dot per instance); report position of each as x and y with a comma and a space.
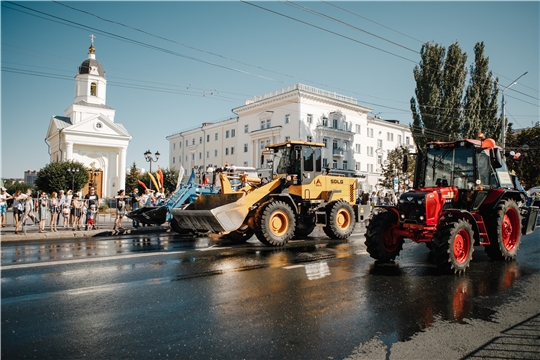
90, 82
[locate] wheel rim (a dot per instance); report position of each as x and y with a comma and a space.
279, 223
510, 229
462, 246
343, 219
389, 242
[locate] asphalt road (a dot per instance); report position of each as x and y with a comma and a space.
157, 296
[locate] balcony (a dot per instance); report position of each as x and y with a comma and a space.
338, 152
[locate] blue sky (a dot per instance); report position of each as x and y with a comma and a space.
173, 65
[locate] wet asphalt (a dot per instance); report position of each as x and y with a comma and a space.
156, 294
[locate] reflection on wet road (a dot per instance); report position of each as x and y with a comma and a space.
202, 297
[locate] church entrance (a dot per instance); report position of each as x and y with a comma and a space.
95, 179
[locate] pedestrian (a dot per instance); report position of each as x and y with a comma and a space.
43, 211
61, 202
4, 197
69, 200
135, 199
120, 209
65, 214
90, 217
54, 206
91, 197
18, 208
29, 208
76, 207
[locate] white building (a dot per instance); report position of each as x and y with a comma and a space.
87, 132
354, 141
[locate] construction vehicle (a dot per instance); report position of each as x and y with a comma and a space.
289, 201
462, 196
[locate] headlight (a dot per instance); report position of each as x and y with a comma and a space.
421, 217
419, 202
403, 216
375, 211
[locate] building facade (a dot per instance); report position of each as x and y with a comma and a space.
354, 142
87, 132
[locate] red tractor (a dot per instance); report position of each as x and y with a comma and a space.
462, 196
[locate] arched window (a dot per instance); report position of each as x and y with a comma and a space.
93, 89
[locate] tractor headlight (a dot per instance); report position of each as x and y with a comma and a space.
376, 211
421, 217
419, 202
403, 216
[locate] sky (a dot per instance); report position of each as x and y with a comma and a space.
173, 65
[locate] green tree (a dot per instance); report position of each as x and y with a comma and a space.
481, 100
437, 107
393, 166
170, 179
527, 166
132, 179
55, 176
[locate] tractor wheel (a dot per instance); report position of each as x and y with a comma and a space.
304, 227
504, 230
453, 245
176, 228
381, 244
340, 220
240, 235
275, 223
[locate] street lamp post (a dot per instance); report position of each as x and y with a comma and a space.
93, 174
503, 120
150, 159
73, 171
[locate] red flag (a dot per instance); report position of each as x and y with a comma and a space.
142, 184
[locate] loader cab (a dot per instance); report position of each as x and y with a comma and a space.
299, 161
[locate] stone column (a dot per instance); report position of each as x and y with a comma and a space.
122, 168
69, 151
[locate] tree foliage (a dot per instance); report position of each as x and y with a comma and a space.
527, 166
132, 179
393, 166
55, 176
443, 109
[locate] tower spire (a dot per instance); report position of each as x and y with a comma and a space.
91, 49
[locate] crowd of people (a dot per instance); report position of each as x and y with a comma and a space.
377, 198
68, 210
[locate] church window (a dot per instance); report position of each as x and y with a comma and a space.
93, 89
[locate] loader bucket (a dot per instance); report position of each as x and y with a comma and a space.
216, 213
149, 215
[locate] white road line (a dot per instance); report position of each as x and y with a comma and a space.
80, 261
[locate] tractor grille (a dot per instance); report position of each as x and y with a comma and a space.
412, 208
351, 194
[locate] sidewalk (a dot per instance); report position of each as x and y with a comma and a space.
105, 229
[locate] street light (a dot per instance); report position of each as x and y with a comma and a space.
502, 107
93, 174
73, 171
148, 157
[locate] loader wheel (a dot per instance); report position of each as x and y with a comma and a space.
453, 246
341, 222
381, 244
241, 235
304, 227
275, 223
176, 228
504, 231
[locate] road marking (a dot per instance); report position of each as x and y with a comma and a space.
292, 267
80, 261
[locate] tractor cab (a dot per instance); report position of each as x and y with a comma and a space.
299, 161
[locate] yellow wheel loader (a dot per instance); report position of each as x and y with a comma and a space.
297, 195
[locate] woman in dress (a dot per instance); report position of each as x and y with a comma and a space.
4, 197
18, 208
120, 209
76, 205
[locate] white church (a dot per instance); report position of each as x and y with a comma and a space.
87, 132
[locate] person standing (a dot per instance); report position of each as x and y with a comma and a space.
91, 198
18, 208
55, 207
69, 200
29, 208
61, 201
76, 206
135, 198
120, 209
43, 211
4, 197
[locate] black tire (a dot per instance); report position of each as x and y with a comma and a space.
176, 228
275, 222
340, 220
380, 243
304, 228
504, 230
453, 245
241, 235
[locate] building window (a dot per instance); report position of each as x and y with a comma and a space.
310, 119
207, 154
174, 146
358, 166
173, 158
399, 139
287, 138
227, 134
268, 123
246, 129
335, 123
193, 141
245, 147
200, 155
187, 143
407, 140
334, 144
232, 150
186, 158
245, 163
370, 150
287, 119
379, 159
358, 148
370, 167
345, 126
179, 144
370, 132
390, 136
93, 89
233, 132
334, 164
379, 144
262, 144
325, 121
325, 163
345, 165
325, 142
309, 138
262, 124
358, 129
193, 156
215, 153
200, 140
208, 138
345, 146
226, 151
